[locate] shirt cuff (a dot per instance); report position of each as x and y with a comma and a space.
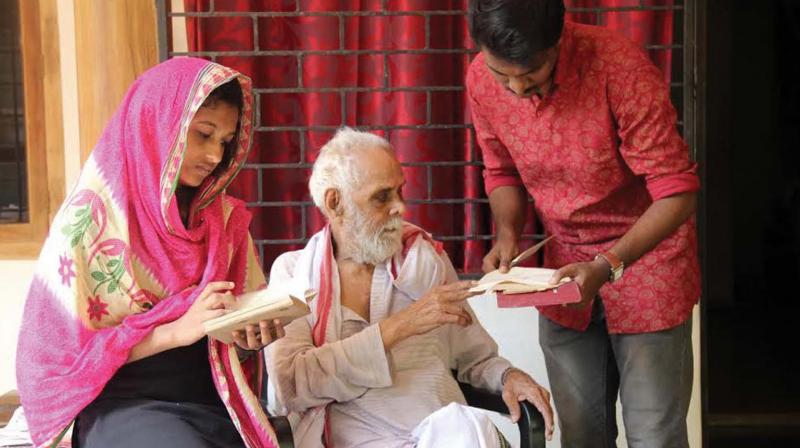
494, 374
666, 186
494, 181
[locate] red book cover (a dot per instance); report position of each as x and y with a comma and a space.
566, 293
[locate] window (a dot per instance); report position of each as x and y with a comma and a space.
13, 178
31, 136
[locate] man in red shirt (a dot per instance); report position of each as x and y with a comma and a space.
581, 119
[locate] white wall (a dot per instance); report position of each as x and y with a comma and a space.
516, 331
15, 275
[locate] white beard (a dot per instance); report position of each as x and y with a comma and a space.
369, 245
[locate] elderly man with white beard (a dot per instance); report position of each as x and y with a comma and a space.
372, 365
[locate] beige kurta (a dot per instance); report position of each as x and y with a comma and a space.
376, 397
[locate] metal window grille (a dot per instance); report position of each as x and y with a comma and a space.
310, 136
13, 174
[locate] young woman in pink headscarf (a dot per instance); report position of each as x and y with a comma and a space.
145, 249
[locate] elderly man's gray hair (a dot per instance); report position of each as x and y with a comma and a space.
335, 165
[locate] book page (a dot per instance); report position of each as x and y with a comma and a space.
263, 297
518, 279
256, 306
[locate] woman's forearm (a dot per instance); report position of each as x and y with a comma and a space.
161, 339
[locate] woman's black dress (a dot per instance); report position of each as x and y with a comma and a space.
165, 400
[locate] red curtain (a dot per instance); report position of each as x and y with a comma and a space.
400, 75
646, 22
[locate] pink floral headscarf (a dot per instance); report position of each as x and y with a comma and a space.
118, 261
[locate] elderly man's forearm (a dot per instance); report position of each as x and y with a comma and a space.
391, 332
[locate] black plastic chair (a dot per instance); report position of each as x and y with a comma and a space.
282, 430
531, 422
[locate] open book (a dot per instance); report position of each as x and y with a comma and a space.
518, 280
253, 307
528, 287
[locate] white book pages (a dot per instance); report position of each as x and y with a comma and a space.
253, 307
518, 280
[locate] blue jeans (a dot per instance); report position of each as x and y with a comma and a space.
652, 372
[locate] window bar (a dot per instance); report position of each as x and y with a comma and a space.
19, 155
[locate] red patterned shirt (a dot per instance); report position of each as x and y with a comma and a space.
594, 154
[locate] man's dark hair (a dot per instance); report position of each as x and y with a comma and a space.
230, 93
516, 30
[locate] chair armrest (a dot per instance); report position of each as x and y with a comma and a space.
531, 426
484, 399
531, 422
283, 431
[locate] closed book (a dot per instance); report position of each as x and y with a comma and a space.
564, 294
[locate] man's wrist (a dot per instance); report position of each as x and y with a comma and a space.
614, 264
507, 233
604, 264
390, 333
506, 373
